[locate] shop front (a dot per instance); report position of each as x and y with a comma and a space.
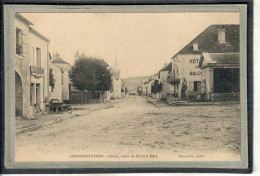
37, 87
220, 76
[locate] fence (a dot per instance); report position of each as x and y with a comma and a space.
84, 97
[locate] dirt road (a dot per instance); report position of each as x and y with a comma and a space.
136, 130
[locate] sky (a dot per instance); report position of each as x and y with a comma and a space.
142, 42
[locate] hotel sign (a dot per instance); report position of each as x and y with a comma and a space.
37, 72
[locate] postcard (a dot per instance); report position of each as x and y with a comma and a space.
126, 86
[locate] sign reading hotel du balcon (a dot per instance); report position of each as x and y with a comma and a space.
37, 72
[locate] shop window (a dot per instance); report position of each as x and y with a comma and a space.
19, 42
38, 57
226, 80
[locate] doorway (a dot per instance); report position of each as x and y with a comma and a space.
18, 95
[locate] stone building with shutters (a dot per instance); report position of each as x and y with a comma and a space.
31, 67
208, 65
62, 85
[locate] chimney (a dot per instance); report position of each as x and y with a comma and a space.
56, 56
221, 36
195, 46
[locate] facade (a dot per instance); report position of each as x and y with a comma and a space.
220, 76
123, 89
148, 86
163, 75
186, 77
116, 82
62, 84
31, 67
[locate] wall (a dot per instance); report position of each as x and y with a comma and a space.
65, 86
187, 65
22, 66
165, 85
57, 90
37, 41
116, 93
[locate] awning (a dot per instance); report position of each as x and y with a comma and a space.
219, 59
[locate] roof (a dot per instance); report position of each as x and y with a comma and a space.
60, 61
39, 34
167, 67
18, 15
150, 80
208, 41
62, 64
219, 59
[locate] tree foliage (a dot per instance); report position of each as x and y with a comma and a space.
91, 74
51, 79
156, 87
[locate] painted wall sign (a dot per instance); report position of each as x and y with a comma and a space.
37, 72
195, 72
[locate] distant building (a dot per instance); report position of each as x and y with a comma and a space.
123, 88
31, 67
148, 86
116, 82
62, 84
219, 44
163, 76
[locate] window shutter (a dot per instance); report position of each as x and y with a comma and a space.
21, 37
40, 58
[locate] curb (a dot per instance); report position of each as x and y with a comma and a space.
35, 127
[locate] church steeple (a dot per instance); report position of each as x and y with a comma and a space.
116, 71
116, 64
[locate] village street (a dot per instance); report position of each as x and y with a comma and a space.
135, 130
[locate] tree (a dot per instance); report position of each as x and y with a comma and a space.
91, 74
51, 79
156, 87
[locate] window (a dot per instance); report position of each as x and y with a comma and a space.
38, 93
32, 94
195, 46
38, 57
19, 42
196, 86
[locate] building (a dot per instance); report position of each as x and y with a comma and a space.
163, 76
31, 67
123, 88
116, 82
220, 76
148, 86
62, 85
186, 78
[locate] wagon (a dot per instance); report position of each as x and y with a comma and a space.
57, 106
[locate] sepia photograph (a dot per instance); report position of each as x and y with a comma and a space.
124, 86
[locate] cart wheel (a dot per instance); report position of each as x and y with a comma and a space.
69, 109
60, 109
